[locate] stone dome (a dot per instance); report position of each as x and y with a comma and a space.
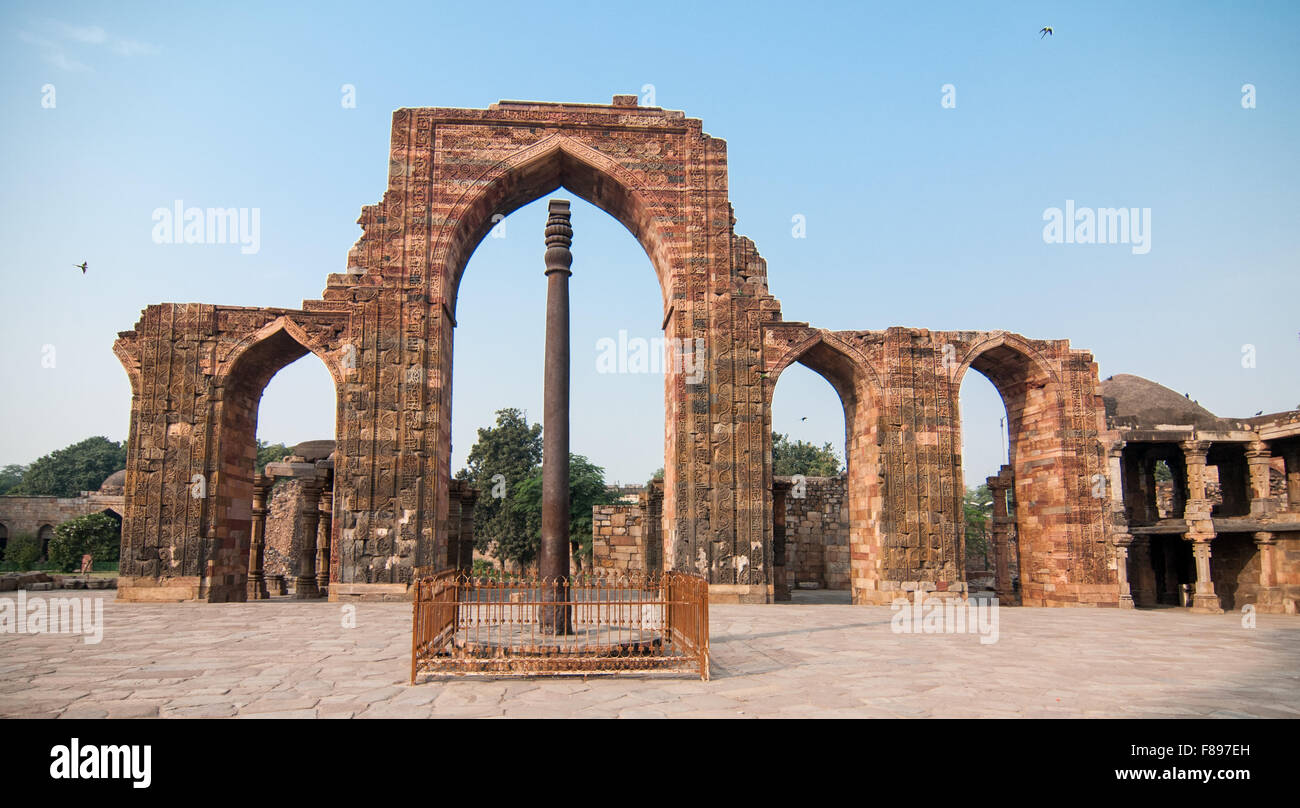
1134, 401
114, 484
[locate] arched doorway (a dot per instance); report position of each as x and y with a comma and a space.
45, 535
860, 393
619, 362
553, 163
249, 370
810, 541
989, 541
1039, 480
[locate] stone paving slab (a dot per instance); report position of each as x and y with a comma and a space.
272, 660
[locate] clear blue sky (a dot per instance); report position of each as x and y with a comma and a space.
916, 215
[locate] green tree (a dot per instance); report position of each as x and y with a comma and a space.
67, 472
23, 551
270, 453
797, 457
586, 489
977, 505
96, 533
513, 450
1162, 472
10, 476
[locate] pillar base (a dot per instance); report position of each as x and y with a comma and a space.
1127, 602
257, 588
305, 588
1206, 604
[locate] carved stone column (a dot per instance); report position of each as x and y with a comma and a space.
1204, 599
324, 533
1257, 459
1269, 593
305, 585
257, 549
1122, 543
1200, 523
1001, 534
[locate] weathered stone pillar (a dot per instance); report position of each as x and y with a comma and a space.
1001, 534
1204, 599
257, 548
305, 584
1122, 543
1200, 524
324, 533
1257, 460
1269, 594
553, 562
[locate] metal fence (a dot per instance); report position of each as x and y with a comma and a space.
616, 624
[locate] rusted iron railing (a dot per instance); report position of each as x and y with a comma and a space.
466, 625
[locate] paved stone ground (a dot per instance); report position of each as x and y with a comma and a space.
291, 659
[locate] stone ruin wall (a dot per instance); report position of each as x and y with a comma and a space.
817, 533
618, 538
384, 329
284, 530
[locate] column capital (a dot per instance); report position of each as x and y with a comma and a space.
1257, 449
1265, 537
559, 237
1194, 448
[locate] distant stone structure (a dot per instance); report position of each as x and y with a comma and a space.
384, 330
39, 516
1225, 532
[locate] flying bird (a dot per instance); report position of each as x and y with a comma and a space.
82, 266
805, 418
1045, 31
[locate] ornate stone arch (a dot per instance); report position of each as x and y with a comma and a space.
555, 161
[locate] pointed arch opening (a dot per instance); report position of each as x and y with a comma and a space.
860, 395
248, 372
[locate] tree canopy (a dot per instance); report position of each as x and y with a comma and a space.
67, 472
270, 453
512, 449
796, 457
586, 489
977, 513
10, 476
